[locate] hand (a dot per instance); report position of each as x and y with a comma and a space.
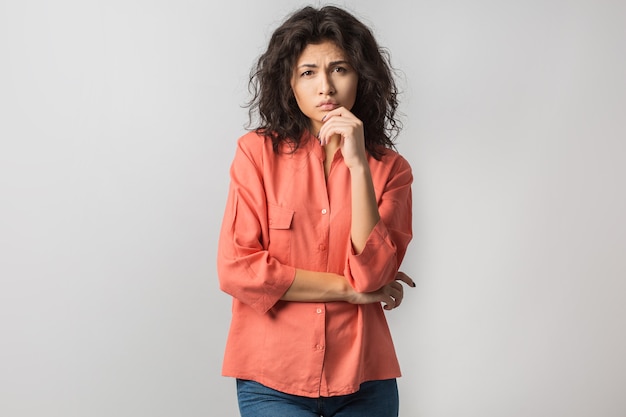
391, 294
349, 129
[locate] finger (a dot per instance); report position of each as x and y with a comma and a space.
326, 135
390, 303
401, 276
328, 130
397, 293
335, 127
387, 299
339, 115
394, 288
330, 115
339, 111
392, 295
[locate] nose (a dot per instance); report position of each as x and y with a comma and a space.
326, 86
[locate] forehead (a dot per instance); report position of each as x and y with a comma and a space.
326, 50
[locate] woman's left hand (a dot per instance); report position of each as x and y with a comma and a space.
390, 295
349, 129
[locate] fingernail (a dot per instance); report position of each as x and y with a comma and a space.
324, 118
413, 284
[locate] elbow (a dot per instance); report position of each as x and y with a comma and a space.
224, 272
373, 279
372, 269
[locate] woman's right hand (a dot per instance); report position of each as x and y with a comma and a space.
390, 295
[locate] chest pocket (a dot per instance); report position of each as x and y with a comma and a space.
280, 221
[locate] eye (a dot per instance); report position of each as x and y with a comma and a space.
340, 69
306, 73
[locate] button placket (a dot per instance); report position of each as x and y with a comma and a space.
321, 340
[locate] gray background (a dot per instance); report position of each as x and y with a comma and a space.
118, 121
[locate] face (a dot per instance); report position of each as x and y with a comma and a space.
322, 81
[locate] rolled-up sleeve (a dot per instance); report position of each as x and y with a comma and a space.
245, 269
384, 250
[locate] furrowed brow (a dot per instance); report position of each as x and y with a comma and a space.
330, 64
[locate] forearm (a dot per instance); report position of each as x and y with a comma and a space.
311, 286
365, 213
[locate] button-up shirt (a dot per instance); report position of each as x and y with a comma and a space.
282, 213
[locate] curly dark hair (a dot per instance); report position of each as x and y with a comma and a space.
376, 102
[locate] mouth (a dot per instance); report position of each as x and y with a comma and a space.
328, 105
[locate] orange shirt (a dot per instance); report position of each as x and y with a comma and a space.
282, 214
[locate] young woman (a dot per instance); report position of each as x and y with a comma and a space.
317, 222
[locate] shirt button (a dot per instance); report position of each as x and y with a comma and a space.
319, 347
319, 311
324, 211
322, 247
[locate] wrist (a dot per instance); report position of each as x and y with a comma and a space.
349, 294
339, 289
359, 166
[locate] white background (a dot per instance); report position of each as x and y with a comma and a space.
118, 121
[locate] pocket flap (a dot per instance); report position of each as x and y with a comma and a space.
279, 217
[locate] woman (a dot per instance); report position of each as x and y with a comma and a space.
317, 222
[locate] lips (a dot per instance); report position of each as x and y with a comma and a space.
328, 105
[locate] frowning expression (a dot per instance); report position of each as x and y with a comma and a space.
323, 80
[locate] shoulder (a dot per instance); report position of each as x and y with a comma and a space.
391, 170
262, 145
394, 161
254, 145
253, 140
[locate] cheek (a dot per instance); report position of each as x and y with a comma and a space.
351, 94
303, 95
297, 98
296, 90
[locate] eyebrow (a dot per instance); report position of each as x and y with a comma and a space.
331, 64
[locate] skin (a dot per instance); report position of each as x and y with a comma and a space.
324, 85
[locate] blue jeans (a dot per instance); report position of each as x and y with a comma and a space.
374, 399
